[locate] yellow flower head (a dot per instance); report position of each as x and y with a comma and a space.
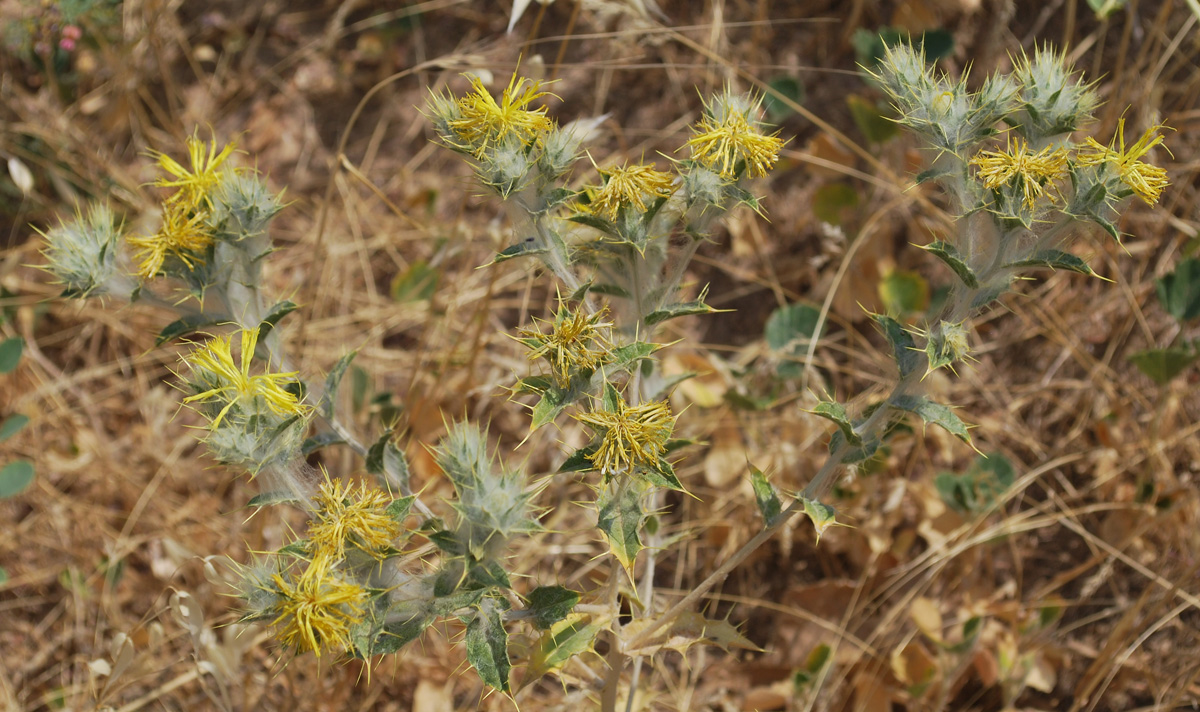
483, 122
1146, 180
317, 609
193, 183
1036, 170
182, 235
629, 185
728, 135
214, 367
630, 435
576, 341
345, 517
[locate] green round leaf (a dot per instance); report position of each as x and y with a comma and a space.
12, 425
15, 478
10, 354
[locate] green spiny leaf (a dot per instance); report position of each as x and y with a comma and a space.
934, 413
266, 499
186, 325
947, 253
822, 515
565, 639
273, 317
385, 458
766, 496
548, 605
487, 646
395, 636
580, 460
399, 508
328, 403
319, 441
620, 518
836, 413
662, 476
1055, 259
682, 309
903, 347
525, 248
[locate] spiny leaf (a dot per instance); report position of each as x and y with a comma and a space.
686, 630
682, 309
565, 639
548, 605
620, 518
266, 499
399, 508
186, 325
903, 347
385, 458
580, 460
934, 413
822, 515
1055, 259
274, 315
395, 636
947, 253
328, 402
525, 248
319, 441
836, 413
592, 221
487, 646
766, 496
662, 476
626, 356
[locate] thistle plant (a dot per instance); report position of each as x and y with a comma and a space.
376, 565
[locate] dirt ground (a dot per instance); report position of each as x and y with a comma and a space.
1083, 576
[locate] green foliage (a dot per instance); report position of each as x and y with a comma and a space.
903, 293
788, 331
836, 413
1106, 8
548, 605
12, 425
1179, 291
948, 254
833, 202
933, 414
766, 496
15, 478
620, 517
188, 324
787, 86
876, 121
416, 284
10, 354
487, 644
1162, 365
979, 488
328, 405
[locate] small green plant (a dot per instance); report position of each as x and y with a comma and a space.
1179, 295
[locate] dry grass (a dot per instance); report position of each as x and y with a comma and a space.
125, 501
